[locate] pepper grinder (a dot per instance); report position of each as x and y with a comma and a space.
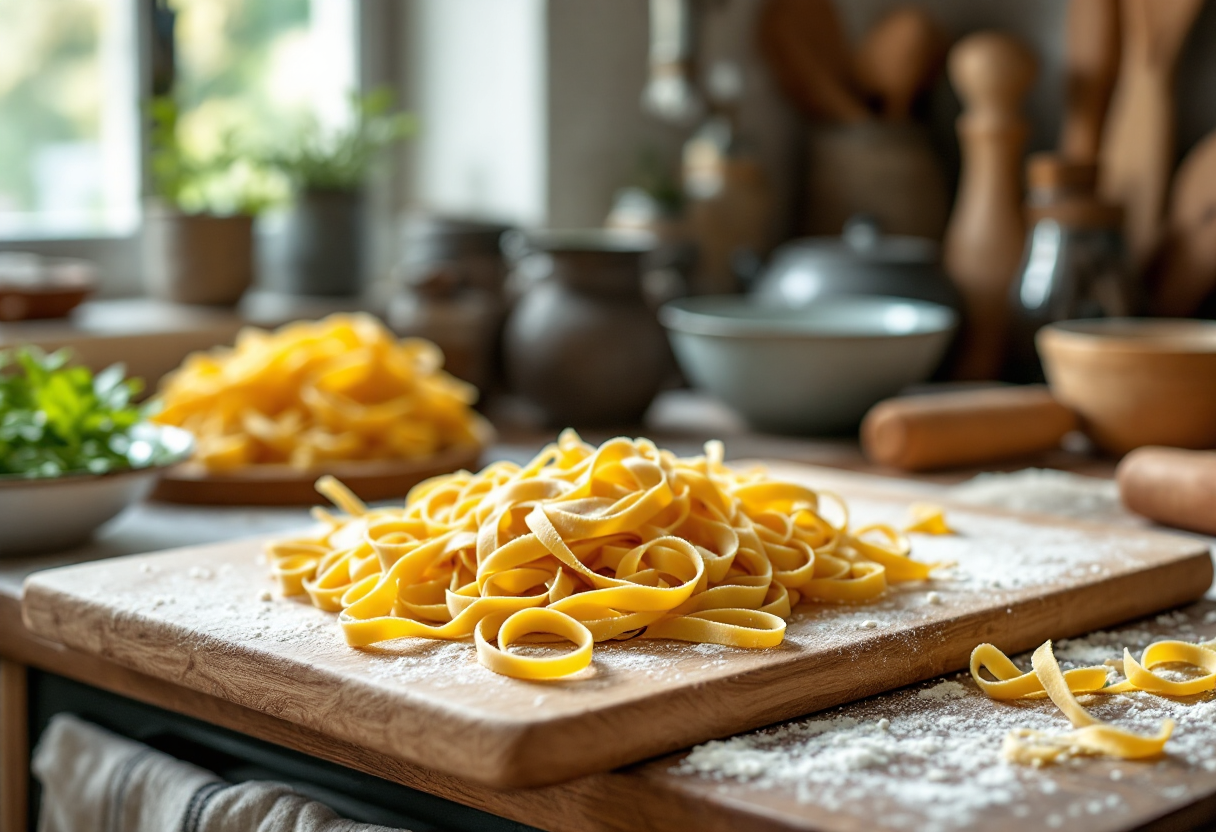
991, 72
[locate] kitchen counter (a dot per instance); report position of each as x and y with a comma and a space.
661, 794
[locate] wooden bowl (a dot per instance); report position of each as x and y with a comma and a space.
1136, 381
282, 485
54, 288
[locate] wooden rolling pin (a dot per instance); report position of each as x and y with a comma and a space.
1172, 486
971, 427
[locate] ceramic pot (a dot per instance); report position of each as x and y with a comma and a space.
323, 245
197, 258
886, 169
863, 261
581, 343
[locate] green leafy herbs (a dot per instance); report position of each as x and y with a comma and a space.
339, 160
223, 181
56, 419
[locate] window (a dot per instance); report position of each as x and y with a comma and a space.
73, 78
69, 138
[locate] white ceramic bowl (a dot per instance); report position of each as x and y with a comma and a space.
811, 370
51, 514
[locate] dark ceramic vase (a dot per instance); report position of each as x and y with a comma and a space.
323, 244
581, 343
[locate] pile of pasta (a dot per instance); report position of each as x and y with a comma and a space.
586, 545
1091, 736
343, 388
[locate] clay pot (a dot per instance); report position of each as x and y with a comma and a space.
581, 343
1135, 381
197, 258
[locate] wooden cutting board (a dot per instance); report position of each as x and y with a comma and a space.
198, 617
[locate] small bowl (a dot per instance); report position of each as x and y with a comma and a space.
53, 514
811, 370
1135, 381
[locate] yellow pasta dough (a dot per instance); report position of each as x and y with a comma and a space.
344, 388
584, 545
1091, 735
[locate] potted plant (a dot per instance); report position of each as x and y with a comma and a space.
198, 227
323, 239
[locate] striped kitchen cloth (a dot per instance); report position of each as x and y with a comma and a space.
96, 781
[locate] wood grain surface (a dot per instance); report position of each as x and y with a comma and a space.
14, 747
195, 617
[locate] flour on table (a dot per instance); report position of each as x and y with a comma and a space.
1042, 491
929, 756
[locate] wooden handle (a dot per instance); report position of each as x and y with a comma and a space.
973, 427
1137, 150
805, 48
898, 58
984, 238
1184, 272
1171, 486
1091, 57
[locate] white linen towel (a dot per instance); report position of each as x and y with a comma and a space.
96, 781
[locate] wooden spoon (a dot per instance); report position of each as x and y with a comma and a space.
806, 49
1184, 272
1137, 151
898, 58
1091, 64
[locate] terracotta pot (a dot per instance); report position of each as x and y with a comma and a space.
581, 343
1135, 382
197, 258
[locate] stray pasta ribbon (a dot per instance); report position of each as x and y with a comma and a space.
928, 518
309, 393
585, 545
1090, 736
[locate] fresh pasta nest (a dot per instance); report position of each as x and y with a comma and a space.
586, 545
311, 393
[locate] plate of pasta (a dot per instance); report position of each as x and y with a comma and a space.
341, 396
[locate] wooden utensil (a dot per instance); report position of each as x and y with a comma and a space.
430, 703
1091, 64
1171, 486
1137, 151
806, 49
1183, 273
282, 485
968, 427
898, 58
983, 245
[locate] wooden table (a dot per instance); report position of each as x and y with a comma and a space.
650, 795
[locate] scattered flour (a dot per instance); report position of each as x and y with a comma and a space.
930, 757
943, 690
1044, 492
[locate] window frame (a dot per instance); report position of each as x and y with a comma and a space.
379, 24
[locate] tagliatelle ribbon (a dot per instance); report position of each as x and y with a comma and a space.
1090, 736
585, 545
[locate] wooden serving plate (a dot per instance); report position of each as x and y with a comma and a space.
200, 618
282, 485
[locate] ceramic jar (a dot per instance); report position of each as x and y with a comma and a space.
581, 342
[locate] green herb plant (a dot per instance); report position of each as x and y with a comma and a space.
56, 419
317, 159
229, 181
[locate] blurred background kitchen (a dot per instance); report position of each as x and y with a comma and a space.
836, 202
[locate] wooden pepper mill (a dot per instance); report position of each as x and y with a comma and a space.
991, 73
